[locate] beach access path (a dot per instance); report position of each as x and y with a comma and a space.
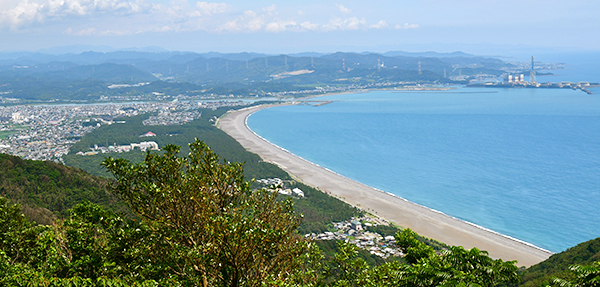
422, 220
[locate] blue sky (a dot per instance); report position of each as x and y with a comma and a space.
287, 27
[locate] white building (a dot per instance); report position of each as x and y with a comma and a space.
145, 146
17, 118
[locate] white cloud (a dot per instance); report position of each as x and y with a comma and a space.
127, 17
355, 23
212, 8
343, 8
280, 26
23, 13
83, 32
406, 26
380, 25
230, 26
94, 32
165, 29
116, 32
352, 23
270, 9
309, 26
26, 12
265, 20
255, 24
250, 21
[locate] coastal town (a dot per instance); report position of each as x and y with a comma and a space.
47, 132
354, 231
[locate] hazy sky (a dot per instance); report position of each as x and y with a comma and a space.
293, 26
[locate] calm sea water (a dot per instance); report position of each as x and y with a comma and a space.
522, 162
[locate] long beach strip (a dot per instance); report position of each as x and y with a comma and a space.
425, 221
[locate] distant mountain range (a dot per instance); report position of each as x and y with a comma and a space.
23, 73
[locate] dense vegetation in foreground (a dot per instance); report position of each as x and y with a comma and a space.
199, 223
203, 225
560, 265
318, 209
195, 221
46, 190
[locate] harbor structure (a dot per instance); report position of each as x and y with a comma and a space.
532, 75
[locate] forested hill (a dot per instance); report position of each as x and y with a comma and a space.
558, 264
44, 186
46, 190
92, 76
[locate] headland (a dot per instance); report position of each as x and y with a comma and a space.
425, 221
582, 86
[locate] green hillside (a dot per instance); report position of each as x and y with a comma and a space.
202, 225
558, 264
108, 72
87, 76
46, 190
179, 135
95, 237
318, 208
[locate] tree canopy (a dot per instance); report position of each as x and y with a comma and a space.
203, 225
221, 231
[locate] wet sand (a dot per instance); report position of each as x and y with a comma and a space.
422, 220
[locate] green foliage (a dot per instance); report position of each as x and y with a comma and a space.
558, 264
584, 276
47, 190
413, 249
17, 234
330, 247
218, 229
453, 267
38, 280
387, 230
93, 246
204, 225
180, 135
320, 209
384, 230
347, 267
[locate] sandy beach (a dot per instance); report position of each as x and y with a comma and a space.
422, 220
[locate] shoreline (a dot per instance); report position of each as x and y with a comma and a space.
394, 195
423, 220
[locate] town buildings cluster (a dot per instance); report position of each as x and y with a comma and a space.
277, 185
167, 118
355, 232
143, 146
47, 132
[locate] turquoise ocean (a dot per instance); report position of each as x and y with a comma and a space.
521, 162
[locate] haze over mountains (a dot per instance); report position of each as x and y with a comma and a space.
89, 76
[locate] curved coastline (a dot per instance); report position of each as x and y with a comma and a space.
394, 195
425, 221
